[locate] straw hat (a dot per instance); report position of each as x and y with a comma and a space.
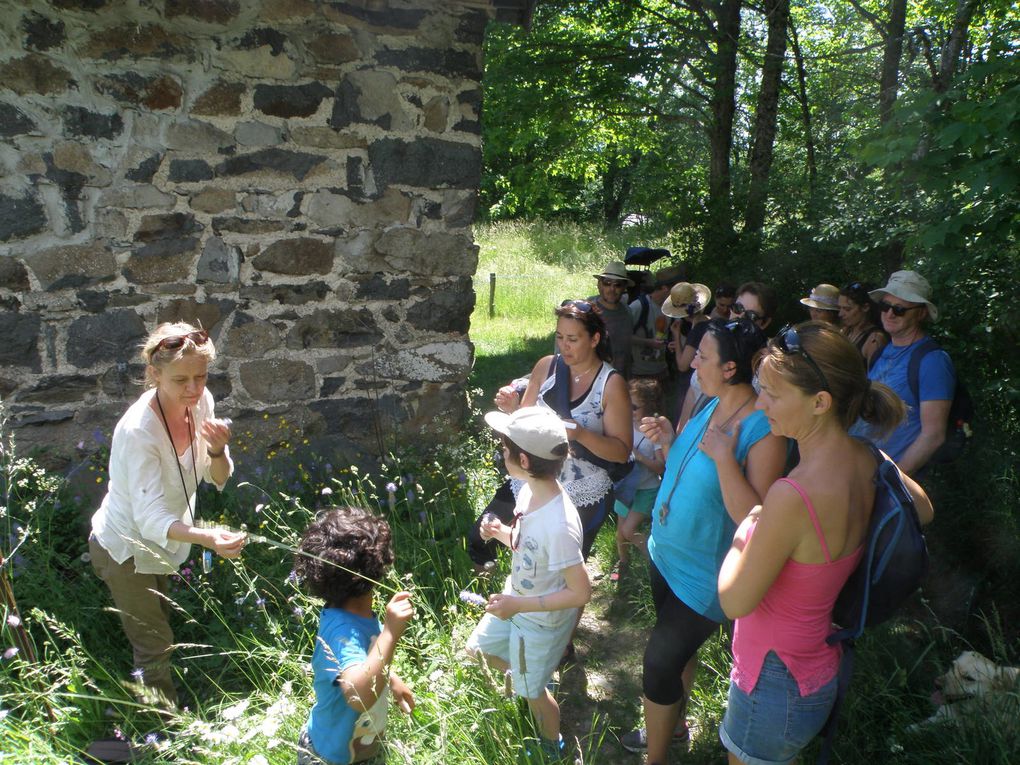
824, 297
686, 294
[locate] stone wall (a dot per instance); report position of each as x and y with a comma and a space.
298, 175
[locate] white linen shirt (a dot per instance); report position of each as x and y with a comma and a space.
145, 495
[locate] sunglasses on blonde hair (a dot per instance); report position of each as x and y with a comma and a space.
173, 342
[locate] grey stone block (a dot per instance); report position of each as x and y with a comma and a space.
20, 347
105, 338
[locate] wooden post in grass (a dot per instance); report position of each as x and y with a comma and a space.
492, 294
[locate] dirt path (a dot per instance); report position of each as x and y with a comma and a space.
600, 697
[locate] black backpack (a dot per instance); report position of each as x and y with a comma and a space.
894, 564
961, 410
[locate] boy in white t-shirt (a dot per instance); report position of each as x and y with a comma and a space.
526, 627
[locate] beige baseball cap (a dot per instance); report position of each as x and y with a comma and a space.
535, 429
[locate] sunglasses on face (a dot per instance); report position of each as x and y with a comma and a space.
789, 342
612, 283
747, 313
581, 305
172, 343
898, 310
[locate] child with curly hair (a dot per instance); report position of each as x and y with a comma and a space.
344, 554
526, 627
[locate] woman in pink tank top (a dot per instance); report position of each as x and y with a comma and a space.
792, 555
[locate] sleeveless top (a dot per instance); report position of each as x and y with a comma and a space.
794, 618
584, 482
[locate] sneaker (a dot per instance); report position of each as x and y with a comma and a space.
546, 751
636, 741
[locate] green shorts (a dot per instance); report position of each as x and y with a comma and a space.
642, 504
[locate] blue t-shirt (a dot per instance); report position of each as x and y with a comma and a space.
936, 382
688, 549
339, 733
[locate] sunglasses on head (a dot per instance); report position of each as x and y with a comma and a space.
898, 310
747, 313
788, 341
172, 343
581, 305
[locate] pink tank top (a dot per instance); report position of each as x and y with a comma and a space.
794, 618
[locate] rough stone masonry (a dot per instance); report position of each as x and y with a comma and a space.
298, 175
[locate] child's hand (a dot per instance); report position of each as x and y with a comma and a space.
503, 606
507, 399
491, 526
402, 695
399, 612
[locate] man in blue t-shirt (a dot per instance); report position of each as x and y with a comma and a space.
906, 306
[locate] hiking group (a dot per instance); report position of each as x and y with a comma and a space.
730, 460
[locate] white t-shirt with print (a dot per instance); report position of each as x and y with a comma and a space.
547, 541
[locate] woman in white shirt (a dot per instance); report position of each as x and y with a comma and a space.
165, 442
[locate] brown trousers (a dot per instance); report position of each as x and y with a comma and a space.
141, 602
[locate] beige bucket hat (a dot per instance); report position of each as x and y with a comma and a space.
686, 294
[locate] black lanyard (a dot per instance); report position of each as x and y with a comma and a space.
177, 460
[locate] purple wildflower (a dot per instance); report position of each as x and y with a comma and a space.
473, 598
138, 674
391, 487
410, 495
10, 653
461, 477
13, 621
299, 611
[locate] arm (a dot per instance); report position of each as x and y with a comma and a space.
221, 541
684, 357
933, 434
402, 694
508, 400
495, 529
576, 593
749, 570
656, 464
686, 408
743, 489
925, 511
876, 342
363, 682
616, 439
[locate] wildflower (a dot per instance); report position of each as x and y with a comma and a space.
422, 516
258, 759
473, 598
259, 507
232, 713
119, 734
410, 495
461, 477
138, 673
86, 558
13, 621
151, 739
10, 653
260, 602
326, 491
292, 577
80, 446
391, 487
299, 611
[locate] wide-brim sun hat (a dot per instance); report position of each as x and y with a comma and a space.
535, 429
824, 297
616, 269
683, 294
909, 286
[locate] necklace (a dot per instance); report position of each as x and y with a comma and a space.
177, 461
729, 420
689, 455
577, 378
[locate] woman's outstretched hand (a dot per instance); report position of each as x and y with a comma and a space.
658, 430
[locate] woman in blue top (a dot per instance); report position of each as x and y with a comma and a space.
718, 468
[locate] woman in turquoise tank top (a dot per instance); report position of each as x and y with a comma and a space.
717, 469
791, 556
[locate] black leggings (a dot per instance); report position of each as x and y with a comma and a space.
502, 504
677, 635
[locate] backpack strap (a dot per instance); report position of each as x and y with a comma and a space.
812, 514
561, 387
643, 317
917, 355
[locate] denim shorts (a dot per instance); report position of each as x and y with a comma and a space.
773, 723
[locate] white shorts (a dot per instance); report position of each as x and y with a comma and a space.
532, 651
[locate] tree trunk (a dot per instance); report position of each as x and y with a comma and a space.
805, 116
778, 14
951, 50
727, 30
891, 55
